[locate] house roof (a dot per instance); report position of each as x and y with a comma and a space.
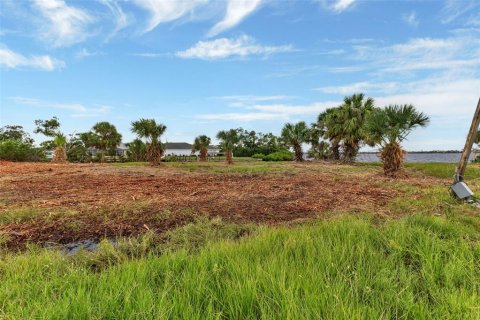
178, 145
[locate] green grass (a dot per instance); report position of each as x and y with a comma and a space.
350, 268
246, 167
445, 170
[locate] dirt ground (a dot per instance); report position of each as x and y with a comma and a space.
74, 202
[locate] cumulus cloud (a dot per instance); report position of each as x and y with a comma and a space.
237, 11
12, 60
66, 25
223, 48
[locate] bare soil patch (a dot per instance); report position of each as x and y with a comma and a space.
109, 201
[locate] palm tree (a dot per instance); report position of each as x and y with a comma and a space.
388, 128
293, 135
228, 141
60, 153
151, 132
106, 138
137, 150
328, 125
201, 144
352, 115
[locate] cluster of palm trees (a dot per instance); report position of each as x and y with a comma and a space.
338, 134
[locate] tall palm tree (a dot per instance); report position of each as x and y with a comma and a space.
228, 141
293, 135
106, 138
60, 153
201, 144
149, 130
352, 115
388, 128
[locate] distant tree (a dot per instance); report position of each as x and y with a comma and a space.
328, 125
60, 154
293, 135
252, 142
18, 150
137, 151
151, 131
201, 144
228, 141
390, 126
51, 128
76, 149
105, 137
321, 150
14, 132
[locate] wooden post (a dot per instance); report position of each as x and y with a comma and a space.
462, 165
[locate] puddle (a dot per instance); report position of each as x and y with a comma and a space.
74, 247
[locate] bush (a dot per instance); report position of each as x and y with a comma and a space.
18, 150
258, 156
279, 156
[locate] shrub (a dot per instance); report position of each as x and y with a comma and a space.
18, 150
279, 156
258, 156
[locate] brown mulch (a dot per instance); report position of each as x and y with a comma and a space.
111, 201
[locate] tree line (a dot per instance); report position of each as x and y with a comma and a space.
337, 134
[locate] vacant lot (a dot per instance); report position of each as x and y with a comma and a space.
64, 203
249, 241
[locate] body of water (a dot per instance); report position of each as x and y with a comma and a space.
417, 157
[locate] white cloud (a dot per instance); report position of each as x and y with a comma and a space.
411, 19
448, 96
365, 86
12, 60
249, 116
162, 11
271, 112
242, 101
251, 98
454, 9
237, 11
121, 20
223, 48
66, 24
77, 109
451, 53
151, 54
342, 5
85, 53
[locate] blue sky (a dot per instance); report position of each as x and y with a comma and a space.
200, 66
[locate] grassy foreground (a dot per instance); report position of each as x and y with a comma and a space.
347, 268
424, 265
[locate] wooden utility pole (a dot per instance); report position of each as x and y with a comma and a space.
462, 165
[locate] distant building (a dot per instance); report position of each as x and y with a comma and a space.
185, 149
121, 150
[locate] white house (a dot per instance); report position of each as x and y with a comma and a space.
185, 149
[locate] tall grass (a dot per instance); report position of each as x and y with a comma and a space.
418, 267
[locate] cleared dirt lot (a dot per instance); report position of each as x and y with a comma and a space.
65, 203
